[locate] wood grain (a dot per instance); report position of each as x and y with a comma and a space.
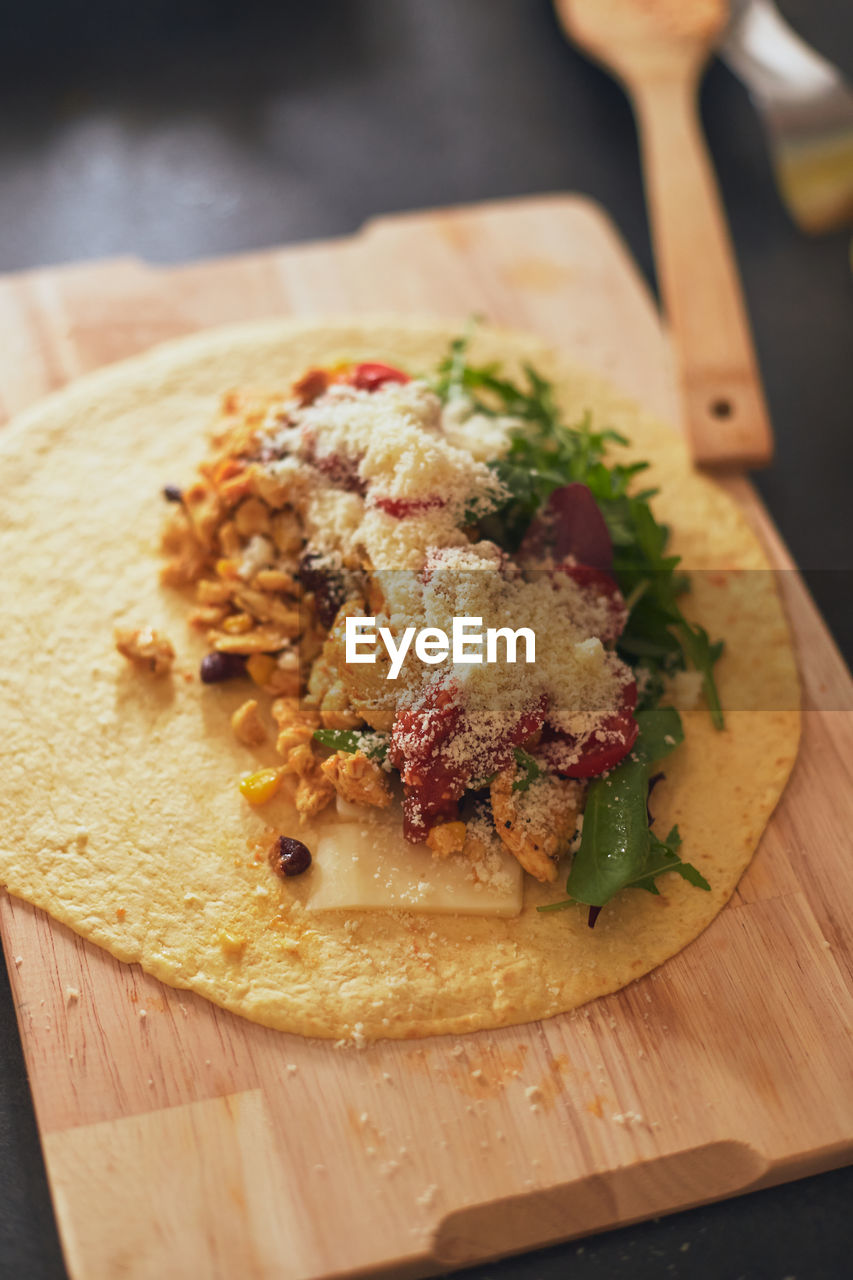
180, 1140
659, 54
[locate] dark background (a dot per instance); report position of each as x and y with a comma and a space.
175, 129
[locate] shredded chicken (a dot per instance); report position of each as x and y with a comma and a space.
536, 825
247, 724
357, 779
146, 648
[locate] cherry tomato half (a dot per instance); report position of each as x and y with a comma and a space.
604, 586
619, 733
596, 754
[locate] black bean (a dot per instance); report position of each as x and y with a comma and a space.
328, 585
290, 857
172, 493
216, 667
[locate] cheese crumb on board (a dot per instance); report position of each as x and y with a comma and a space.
627, 1118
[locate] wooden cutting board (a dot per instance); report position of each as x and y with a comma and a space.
181, 1141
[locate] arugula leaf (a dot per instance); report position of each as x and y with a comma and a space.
449, 377
703, 654
661, 731
618, 849
371, 744
480, 784
543, 455
532, 770
663, 856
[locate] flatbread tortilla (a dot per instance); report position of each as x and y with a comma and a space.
118, 806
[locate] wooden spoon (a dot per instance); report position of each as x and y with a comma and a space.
658, 49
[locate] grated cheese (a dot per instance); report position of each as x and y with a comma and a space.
351, 450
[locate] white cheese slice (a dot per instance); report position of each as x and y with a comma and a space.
369, 865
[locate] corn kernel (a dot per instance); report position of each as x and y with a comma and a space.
231, 944
260, 787
446, 838
238, 624
227, 568
261, 667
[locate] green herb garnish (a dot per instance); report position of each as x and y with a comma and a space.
531, 771
480, 784
618, 849
373, 745
543, 455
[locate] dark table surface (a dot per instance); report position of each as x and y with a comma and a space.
185, 128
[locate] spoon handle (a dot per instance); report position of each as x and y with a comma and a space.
722, 398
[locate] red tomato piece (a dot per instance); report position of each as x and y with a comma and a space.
606, 588
629, 696
372, 376
570, 524
598, 751
619, 734
432, 787
587, 576
577, 526
420, 729
430, 797
529, 723
401, 508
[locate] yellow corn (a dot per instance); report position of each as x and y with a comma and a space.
238, 624
232, 945
260, 787
227, 568
447, 838
261, 667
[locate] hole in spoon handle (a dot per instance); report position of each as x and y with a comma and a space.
727, 424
